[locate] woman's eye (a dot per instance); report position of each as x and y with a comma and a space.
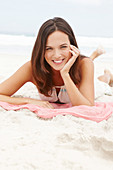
63, 46
48, 49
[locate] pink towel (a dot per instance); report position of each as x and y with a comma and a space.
101, 111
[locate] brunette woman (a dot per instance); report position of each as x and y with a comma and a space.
60, 73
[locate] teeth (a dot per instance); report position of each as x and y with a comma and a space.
58, 61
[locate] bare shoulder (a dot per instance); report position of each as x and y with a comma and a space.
26, 70
86, 63
28, 66
86, 67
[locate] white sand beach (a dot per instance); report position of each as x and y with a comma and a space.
28, 142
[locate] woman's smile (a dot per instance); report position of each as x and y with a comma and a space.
58, 61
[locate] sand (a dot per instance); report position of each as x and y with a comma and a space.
28, 142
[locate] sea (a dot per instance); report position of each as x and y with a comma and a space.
22, 45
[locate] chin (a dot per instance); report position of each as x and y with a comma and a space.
59, 69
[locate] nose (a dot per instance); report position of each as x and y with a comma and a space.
57, 54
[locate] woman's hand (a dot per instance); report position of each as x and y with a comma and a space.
75, 53
44, 104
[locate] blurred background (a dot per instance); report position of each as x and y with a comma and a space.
91, 21
87, 17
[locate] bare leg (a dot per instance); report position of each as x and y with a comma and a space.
107, 72
105, 78
97, 52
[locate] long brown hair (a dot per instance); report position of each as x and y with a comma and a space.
41, 69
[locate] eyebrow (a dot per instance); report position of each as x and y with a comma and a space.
64, 44
60, 45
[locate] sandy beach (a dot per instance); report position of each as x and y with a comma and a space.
28, 142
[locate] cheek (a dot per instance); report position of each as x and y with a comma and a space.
67, 53
47, 57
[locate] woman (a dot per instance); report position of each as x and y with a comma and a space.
60, 73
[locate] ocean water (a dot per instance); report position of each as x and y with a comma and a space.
22, 45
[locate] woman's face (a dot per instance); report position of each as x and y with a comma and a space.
57, 50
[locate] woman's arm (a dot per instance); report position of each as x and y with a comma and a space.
87, 79
15, 82
84, 95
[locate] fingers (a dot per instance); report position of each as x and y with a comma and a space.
74, 48
46, 104
50, 106
75, 51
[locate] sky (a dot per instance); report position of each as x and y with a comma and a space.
86, 17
